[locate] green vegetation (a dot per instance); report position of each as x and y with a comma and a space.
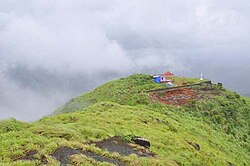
125, 91
218, 124
180, 80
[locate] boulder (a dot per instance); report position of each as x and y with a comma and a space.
141, 141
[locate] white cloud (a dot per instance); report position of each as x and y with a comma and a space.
74, 40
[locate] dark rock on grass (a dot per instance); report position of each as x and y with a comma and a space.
141, 141
230, 164
117, 144
195, 145
100, 158
28, 156
62, 154
44, 160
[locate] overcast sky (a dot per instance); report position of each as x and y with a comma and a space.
52, 50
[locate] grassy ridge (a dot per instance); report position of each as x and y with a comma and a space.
106, 119
219, 125
125, 91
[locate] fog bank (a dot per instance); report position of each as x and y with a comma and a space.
52, 50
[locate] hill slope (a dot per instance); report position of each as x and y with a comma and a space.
210, 129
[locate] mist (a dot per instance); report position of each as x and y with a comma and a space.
53, 50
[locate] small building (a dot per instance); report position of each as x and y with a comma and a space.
167, 77
168, 74
164, 78
157, 79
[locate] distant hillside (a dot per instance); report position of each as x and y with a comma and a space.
135, 121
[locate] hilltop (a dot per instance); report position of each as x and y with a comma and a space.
195, 123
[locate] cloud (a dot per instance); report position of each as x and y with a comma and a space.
69, 42
51, 50
26, 104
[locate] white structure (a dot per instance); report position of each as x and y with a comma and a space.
201, 78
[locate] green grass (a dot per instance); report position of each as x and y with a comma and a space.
219, 125
125, 91
180, 80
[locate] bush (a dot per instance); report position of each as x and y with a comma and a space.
219, 85
11, 125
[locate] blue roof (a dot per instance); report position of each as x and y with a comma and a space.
157, 79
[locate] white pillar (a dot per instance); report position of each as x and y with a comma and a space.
201, 78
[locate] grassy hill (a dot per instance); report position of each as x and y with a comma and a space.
210, 130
